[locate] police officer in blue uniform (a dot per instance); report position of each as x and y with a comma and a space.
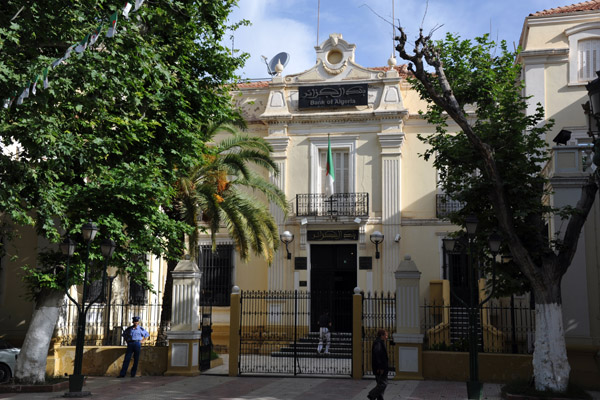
134, 335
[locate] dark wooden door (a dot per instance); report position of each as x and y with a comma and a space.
332, 281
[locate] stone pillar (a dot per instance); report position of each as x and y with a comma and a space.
184, 336
234, 331
408, 337
357, 342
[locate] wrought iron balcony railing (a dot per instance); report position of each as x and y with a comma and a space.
446, 205
336, 205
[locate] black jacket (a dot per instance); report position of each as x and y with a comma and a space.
379, 359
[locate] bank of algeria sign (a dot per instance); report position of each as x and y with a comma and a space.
333, 96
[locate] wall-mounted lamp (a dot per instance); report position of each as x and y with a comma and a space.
357, 220
397, 238
376, 237
287, 237
303, 221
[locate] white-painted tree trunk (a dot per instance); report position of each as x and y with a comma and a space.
550, 364
31, 363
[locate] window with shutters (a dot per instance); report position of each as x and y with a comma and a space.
343, 151
341, 169
584, 52
588, 59
217, 274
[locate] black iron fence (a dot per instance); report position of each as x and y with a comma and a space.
379, 312
336, 205
105, 323
505, 327
279, 333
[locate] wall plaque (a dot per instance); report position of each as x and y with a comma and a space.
322, 235
300, 263
333, 96
365, 263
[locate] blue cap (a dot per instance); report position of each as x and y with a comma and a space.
136, 319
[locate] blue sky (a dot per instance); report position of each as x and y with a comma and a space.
291, 26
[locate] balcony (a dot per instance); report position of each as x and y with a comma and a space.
446, 205
337, 205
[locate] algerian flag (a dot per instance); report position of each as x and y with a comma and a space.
95, 35
138, 4
126, 10
33, 88
113, 25
83, 44
67, 53
26, 91
22, 96
12, 98
330, 170
45, 78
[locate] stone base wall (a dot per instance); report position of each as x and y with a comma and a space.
106, 360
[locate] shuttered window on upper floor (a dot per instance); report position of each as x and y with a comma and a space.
588, 53
341, 168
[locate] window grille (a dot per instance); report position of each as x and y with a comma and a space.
138, 295
95, 290
217, 271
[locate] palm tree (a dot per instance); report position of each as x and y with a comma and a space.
224, 190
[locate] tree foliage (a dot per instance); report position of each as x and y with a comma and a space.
108, 139
494, 164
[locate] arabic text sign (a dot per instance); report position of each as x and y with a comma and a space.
316, 236
333, 96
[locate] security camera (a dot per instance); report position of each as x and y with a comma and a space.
397, 238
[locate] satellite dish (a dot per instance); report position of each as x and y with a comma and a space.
282, 58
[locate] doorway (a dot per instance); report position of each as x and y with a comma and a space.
332, 281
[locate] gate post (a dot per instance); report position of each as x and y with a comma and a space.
184, 336
234, 332
408, 337
357, 350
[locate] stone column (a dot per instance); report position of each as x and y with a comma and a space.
184, 336
408, 337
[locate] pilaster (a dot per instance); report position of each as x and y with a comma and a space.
391, 162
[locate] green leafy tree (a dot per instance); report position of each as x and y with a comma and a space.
107, 139
223, 190
494, 165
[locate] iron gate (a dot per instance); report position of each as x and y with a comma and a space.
276, 335
379, 312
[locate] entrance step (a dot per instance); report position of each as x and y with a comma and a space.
306, 347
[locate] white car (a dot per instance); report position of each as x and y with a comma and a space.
8, 360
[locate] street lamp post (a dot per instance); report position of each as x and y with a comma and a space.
474, 386
107, 248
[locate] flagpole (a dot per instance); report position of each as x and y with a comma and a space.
318, 15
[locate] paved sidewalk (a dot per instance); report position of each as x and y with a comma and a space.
259, 388
214, 384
